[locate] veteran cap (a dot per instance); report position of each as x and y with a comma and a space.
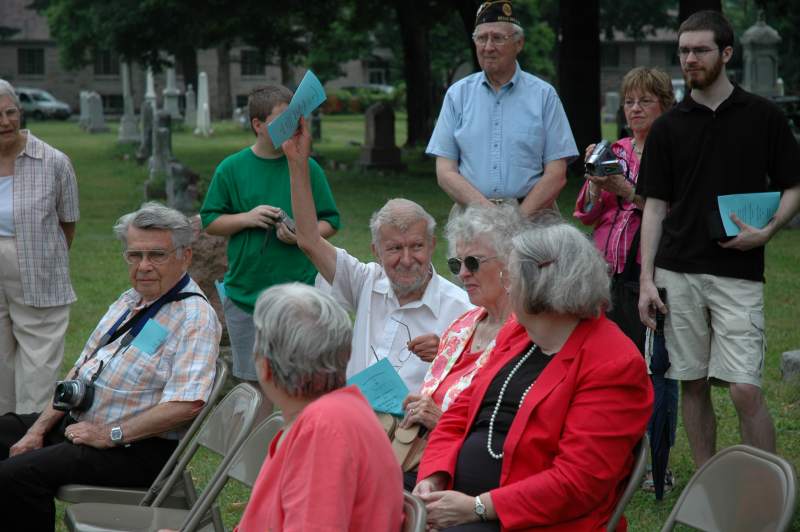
497, 11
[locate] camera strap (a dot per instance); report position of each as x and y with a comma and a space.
137, 322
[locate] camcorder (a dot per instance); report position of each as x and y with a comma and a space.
602, 161
73, 395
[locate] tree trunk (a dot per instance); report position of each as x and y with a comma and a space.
467, 9
187, 58
687, 7
224, 102
579, 71
417, 73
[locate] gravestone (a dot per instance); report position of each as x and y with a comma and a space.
379, 149
97, 122
241, 118
760, 44
169, 179
128, 128
150, 88
146, 134
190, 120
203, 109
171, 96
611, 107
790, 365
83, 121
162, 144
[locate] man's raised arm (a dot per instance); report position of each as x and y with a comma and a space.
319, 251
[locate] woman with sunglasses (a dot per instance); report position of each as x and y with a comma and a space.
38, 212
543, 438
480, 242
610, 203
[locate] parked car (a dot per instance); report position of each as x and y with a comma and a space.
39, 104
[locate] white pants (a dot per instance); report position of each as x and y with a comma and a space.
31, 341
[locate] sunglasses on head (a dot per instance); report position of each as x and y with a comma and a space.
472, 264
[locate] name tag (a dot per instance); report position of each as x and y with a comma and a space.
150, 337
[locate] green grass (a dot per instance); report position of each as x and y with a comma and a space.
111, 184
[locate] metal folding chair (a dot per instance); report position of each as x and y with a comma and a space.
634, 481
224, 433
740, 489
183, 495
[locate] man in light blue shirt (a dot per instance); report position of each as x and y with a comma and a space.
502, 132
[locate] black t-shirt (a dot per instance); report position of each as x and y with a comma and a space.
693, 155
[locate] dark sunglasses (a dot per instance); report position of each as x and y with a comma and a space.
472, 264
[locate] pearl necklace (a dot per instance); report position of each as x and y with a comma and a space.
498, 456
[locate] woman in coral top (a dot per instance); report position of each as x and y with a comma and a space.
331, 468
480, 241
543, 438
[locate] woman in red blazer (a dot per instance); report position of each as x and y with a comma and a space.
543, 438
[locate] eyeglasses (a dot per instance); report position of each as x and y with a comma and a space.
644, 103
472, 264
497, 39
700, 51
400, 359
11, 113
155, 256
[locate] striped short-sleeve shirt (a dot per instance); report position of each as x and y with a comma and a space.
45, 194
172, 360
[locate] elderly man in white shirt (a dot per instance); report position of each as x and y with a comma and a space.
400, 302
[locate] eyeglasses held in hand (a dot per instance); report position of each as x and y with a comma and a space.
700, 51
400, 359
472, 264
155, 256
497, 39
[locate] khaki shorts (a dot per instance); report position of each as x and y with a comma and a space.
714, 328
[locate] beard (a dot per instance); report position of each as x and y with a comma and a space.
707, 79
409, 287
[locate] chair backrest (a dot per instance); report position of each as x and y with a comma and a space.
223, 433
244, 467
220, 376
414, 512
634, 481
739, 489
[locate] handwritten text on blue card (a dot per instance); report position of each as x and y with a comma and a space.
382, 386
150, 337
308, 96
754, 209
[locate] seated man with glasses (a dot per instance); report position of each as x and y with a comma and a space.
502, 132
401, 304
145, 372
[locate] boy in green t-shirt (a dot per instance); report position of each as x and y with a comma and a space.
247, 195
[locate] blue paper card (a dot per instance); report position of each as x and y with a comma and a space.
150, 337
308, 96
382, 386
220, 286
755, 209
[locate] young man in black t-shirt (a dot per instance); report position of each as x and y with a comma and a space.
719, 140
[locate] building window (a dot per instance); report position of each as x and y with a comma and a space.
377, 71
252, 63
113, 103
609, 55
30, 61
106, 63
241, 101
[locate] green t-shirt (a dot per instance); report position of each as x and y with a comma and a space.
241, 182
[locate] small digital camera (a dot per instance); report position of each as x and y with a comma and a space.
73, 395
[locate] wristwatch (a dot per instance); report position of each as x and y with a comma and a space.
480, 508
116, 435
